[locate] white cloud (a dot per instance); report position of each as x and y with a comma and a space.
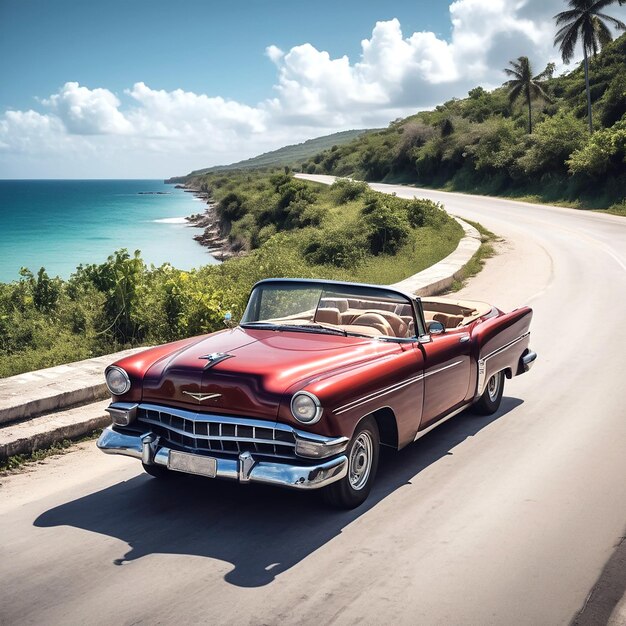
85, 111
148, 131
274, 53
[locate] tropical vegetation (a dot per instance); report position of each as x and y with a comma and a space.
288, 227
586, 20
481, 143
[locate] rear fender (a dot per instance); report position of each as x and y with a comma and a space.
499, 344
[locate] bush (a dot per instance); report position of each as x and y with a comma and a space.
387, 225
231, 208
552, 143
342, 247
604, 152
347, 190
500, 143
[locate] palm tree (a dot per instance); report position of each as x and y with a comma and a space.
524, 83
586, 20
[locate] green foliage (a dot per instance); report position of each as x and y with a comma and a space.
386, 223
552, 143
230, 207
478, 143
342, 246
501, 143
293, 229
347, 190
604, 152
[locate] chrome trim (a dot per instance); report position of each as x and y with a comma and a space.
124, 373
319, 445
214, 358
200, 397
149, 445
420, 433
246, 469
387, 390
441, 369
528, 360
323, 446
482, 363
318, 410
506, 346
122, 413
377, 394
246, 463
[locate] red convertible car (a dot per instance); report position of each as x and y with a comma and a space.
314, 379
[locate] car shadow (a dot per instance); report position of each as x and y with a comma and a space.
262, 531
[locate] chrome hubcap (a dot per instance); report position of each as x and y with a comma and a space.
361, 460
492, 386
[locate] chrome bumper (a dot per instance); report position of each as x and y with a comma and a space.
528, 360
245, 468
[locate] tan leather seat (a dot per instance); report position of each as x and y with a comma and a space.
328, 316
449, 321
334, 303
375, 320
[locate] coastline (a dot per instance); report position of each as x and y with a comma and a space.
61, 224
211, 238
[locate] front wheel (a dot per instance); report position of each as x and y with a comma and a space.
489, 402
158, 471
353, 489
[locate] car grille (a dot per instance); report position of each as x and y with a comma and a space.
207, 433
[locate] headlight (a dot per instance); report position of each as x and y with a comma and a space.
117, 380
306, 408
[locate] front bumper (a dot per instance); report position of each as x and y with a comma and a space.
245, 468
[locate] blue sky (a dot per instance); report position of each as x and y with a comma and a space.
152, 89
213, 47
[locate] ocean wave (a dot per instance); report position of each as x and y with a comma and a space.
172, 220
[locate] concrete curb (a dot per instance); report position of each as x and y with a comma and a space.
440, 276
55, 388
41, 432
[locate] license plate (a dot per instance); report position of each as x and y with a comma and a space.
192, 464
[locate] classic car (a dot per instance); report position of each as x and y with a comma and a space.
316, 377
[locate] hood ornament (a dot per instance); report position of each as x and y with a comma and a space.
200, 397
215, 357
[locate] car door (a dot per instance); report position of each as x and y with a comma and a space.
446, 374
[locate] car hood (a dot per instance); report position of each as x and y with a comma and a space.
253, 370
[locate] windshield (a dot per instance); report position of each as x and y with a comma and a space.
329, 308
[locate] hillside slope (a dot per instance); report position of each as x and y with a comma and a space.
292, 155
481, 143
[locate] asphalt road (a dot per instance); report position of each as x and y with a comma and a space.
508, 519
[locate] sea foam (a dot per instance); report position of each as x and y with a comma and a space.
172, 220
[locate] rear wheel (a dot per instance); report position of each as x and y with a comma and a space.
489, 402
362, 452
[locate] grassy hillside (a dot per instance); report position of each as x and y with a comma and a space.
481, 143
292, 156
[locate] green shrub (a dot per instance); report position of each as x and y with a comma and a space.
605, 151
341, 246
552, 142
386, 225
231, 208
347, 190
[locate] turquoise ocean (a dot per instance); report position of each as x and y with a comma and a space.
59, 224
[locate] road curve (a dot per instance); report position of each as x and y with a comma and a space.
508, 519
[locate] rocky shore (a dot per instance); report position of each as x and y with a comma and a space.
211, 237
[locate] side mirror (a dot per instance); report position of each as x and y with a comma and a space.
435, 328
